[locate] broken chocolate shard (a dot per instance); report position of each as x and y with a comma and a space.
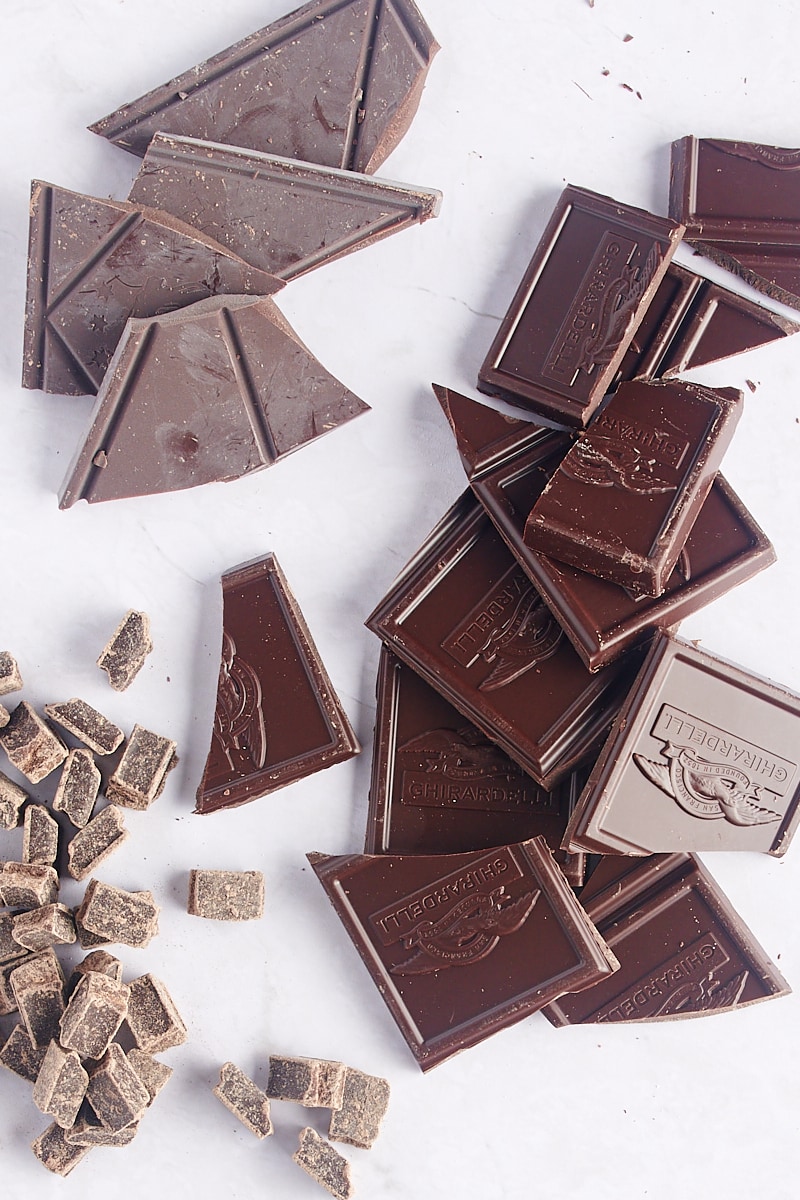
283, 216
277, 716
55, 1153
12, 798
86, 724
78, 786
233, 389
39, 834
93, 844
336, 82
313, 1082
226, 895
123, 655
95, 263
154, 1021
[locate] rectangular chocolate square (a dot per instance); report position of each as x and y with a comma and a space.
588, 284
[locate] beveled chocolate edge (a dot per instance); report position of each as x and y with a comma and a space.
584, 937
343, 743
723, 258
523, 435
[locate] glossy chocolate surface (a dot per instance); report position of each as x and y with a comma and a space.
277, 717
462, 945
589, 282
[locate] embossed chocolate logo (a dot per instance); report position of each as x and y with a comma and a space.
712, 774
511, 628
608, 462
687, 982
239, 726
768, 156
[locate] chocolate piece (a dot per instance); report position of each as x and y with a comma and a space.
5, 716
39, 836
467, 618
8, 1001
234, 388
462, 945
119, 916
87, 1133
244, 1099
87, 939
277, 717
98, 961
226, 895
122, 657
60, 1085
702, 757
142, 771
115, 1091
9, 949
54, 1152
324, 1164
589, 282
95, 263
30, 744
21, 1056
313, 1082
27, 885
94, 1013
683, 949
86, 724
337, 82
38, 986
154, 1074
10, 678
624, 498
364, 1104
78, 787
12, 798
93, 844
50, 925
153, 1019
284, 216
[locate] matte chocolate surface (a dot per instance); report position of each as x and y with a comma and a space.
283, 216
277, 717
466, 617
683, 949
703, 756
589, 282
233, 387
95, 263
462, 945
624, 498
336, 82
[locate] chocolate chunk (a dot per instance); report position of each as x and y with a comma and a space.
21, 1056
702, 757
324, 1164
226, 895
27, 885
5, 716
86, 724
31, 745
9, 949
94, 1013
122, 658
337, 82
284, 216
244, 1099
93, 844
12, 798
54, 1152
10, 678
463, 945
154, 1074
50, 925
234, 388
60, 1085
39, 835
8, 1001
142, 771
100, 961
88, 1133
277, 717
153, 1019
119, 916
364, 1104
115, 1091
78, 787
589, 282
312, 1082
38, 986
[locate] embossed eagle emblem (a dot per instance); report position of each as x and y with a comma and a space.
703, 995
620, 301
529, 636
238, 717
609, 462
708, 790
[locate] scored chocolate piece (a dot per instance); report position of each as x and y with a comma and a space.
123, 655
95, 263
10, 678
226, 895
244, 1099
313, 1082
86, 724
78, 786
364, 1104
462, 945
284, 216
142, 771
683, 949
624, 498
590, 280
703, 756
234, 389
336, 82
324, 1164
30, 743
277, 717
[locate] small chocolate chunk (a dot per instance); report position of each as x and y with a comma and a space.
140, 776
115, 1091
153, 1074
54, 1152
8, 1001
10, 678
87, 939
94, 1013
93, 844
12, 797
226, 895
364, 1104
39, 836
60, 1085
123, 656
324, 1164
50, 925
117, 915
100, 961
78, 787
30, 743
313, 1082
153, 1019
91, 1133
86, 724
27, 885
21, 1056
9, 948
244, 1099
38, 986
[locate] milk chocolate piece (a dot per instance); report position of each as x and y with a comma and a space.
30, 744
122, 657
21, 1056
119, 916
590, 280
86, 724
244, 1099
324, 1164
94, 1013
50, 925
466, 617
38, 986
95, 263
626, 495
154, 1074
142, 771
683, 949
12, 798
364, 1104
39, 836
226, 895
27, 885
234, 389
54, 1152
77, 788
115, 1091
284, 216
10, 678
60, 1085
313, 1082
93, 844
277, 717
703, 756
462, 945
336, 82
153, 1019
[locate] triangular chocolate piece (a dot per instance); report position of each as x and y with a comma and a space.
484, 436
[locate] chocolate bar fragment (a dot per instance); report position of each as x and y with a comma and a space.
590, 280
31, 745
683, 949
119, 916
153, 1020
624, 498
60, 1085
95, 263
89, 1133
283, 216
462, 945
336, 82
226, 895
10, 678
54, 1152
277, 717
39, 835
364, 1104
703, 757
312, 1082
86, 724
246, 1101
21, 1056
142, 771
122, 657
324, 1164
12, 798
77, 788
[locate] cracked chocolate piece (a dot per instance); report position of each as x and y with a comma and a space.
153, 1019
39, 836
38, 986
86, 724
21, 1056
119, 916
226, 895
98, 839
54, 1152
50, 925
12, 798
364, 1104
129, 645
324, 1163
312, 1082
94, 1013
60, 1085
27, 885
115, 1091
10, 678
246, 1101
31, 745
154, 1074
142, 771
78, 787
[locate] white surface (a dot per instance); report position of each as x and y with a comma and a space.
515, 106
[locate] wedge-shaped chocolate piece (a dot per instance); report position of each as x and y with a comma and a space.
12, 798
337, 82
123, 655
591, 278
142, 771
86, 724
683, 949
462, 945
95, 263
313, 1082
60, 1085
39, 835
92, 845
78, 786
234, 389
246, 1101
466, 617
54, 1152
364, 1104
31, 745
324, 1164
153, 1019
283, 216
704, 756
277, 717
